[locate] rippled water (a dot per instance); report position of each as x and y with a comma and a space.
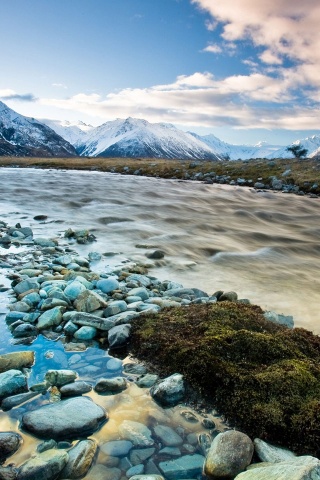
265, 246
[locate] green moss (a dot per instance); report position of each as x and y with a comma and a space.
264, 377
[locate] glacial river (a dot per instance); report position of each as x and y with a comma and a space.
263, 245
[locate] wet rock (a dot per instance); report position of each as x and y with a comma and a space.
50, 318
100, 472
107, 285
117, 448
189, 416
140, 292
86, 319
71, 418
118, 336
60, 377
170, 391
115, 307
228, 296
9, 443
111, 385
20, 307
80, 459
16, 360
45, 242
134, 369
137, 433
171, 451
89, 301
135, 470
156, 255
12, 382
230, 453
15, 400
49, 303
270, 453
42, 447
74, 289
185, 292
168, 436
25, 286
274, 317
140, 455
85, 333
147, 380
32, 299
146, 477
188, 466
46, 465
300, 468
75, 388
24, 330
40, 217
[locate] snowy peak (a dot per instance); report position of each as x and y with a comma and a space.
72, 132
20, 135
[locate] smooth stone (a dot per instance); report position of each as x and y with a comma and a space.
16, 360
274, 317
134, 369
142, 280
52, 302
270, 453
140, 292
12, 382
172, 451
118, 336
88, 320
111, 385
107, 285
89, 301
116, 448
85, 333
124, 317
230, 453
228, 296
24, 330
13, 316
74, 289
147, 477
114, 364
183, 467
9, 443
70, 328
71, 418
44, 466
32, 299
139, 456
137, 433
80, 459
15, 400
25, 286
75, 388
58, 378
50, 318
168, 436
181, 292
100, 472
135, 470
170, 391
155, 255
42, 447
132, 299
147, 380
20, 307
45, 242
118, 306
299, 468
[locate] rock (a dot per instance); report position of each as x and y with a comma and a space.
85, 333
50, 318
16, 360
25, 286
172, 451
60, 377
100, 472
274, 317
40, 217
49, 303
259, 185
42, 447
228, 296
135, 470
146, 477
12, 382
24, 330
70, 328
170, 391
270, 453
115, 307
147, 380
117, 448
300, 468
71, 418
185, 292
118, 336
86, 319
74, 289
155, 255
9, 443
142, 280
80, 459
107, 285
188, 466
168, 436
140, 455
32, 299
140, 292
137, 433
89, 301
134, 369
111, 385
276, 184
15, 400
75, 388
46, 465
230, 453
20, 307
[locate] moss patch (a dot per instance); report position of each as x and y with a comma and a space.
264, 377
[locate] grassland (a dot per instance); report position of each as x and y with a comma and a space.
304, 173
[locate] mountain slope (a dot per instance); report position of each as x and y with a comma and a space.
311, 144
138, 138
73, 132
23, 136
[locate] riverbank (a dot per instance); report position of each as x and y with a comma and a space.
300, 176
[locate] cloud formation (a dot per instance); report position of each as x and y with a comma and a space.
8, 94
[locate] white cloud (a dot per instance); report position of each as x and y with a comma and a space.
213, 48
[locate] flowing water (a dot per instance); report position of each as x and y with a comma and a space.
263, 245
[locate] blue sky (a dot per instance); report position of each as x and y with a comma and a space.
245, 70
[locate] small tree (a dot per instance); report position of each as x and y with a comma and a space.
297, 151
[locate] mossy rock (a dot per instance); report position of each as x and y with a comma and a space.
265, 378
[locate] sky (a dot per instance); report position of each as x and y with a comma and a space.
244, 70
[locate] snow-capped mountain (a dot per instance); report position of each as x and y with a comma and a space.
73, 132
138, 138
311, 144
20, 135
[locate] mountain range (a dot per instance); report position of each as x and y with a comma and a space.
131, 137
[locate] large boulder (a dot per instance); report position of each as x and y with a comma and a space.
71, 418
230, 453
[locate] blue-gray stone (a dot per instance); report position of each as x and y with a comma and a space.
137, 433
12, 317
107, 285
141, 292
138, 456
53, 302
25, 285
168, 436
20, 307
75, 388
50, 318
117, 448
12, 382
74, 289
46, 465
85, 333
25, 330
170, 391
135, 470
70, 328
118, 336
115, 307
142, 280
188, 466
32, 299
181, 292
